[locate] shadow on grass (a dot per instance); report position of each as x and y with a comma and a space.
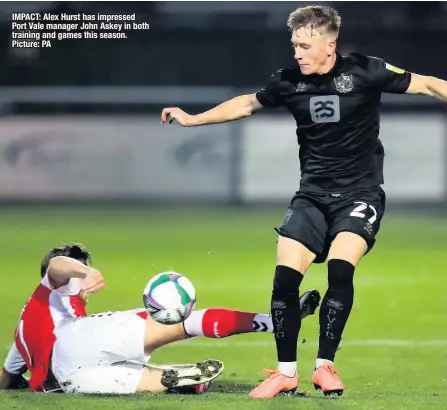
231, 387
243, 388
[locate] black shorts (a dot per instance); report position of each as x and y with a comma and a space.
315, 219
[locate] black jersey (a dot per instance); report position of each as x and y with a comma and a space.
337, 117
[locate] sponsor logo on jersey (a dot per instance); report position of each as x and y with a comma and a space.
394, 69
325, 108
344, 83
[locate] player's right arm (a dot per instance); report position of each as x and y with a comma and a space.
235, 109
61, 269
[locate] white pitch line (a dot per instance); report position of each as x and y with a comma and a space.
356, 343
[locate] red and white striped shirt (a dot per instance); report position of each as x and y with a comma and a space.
46, 310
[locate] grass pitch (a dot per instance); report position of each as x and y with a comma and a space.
393, 355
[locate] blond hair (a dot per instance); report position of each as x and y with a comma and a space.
320, 18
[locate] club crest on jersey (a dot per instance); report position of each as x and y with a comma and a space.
344, 83
300, 87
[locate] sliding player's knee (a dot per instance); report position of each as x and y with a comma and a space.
294, 254
340, 273
151, 381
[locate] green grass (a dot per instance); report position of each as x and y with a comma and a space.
230, 257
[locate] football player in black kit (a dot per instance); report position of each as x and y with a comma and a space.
335, 215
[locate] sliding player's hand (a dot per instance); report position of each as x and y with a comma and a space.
93, 282
168, 115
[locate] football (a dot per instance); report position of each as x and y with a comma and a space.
169, 298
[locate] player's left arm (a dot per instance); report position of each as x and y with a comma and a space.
390, 79
432, 86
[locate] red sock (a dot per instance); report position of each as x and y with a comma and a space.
217, 323
225, 322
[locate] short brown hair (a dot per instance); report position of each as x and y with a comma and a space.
315, 17
72, 250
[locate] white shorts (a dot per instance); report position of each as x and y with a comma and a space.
87, 351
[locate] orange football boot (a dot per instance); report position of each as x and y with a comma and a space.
326, 379
275, 384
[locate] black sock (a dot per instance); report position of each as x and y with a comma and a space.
286, 312
335, 307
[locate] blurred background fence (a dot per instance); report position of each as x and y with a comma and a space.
81, 120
